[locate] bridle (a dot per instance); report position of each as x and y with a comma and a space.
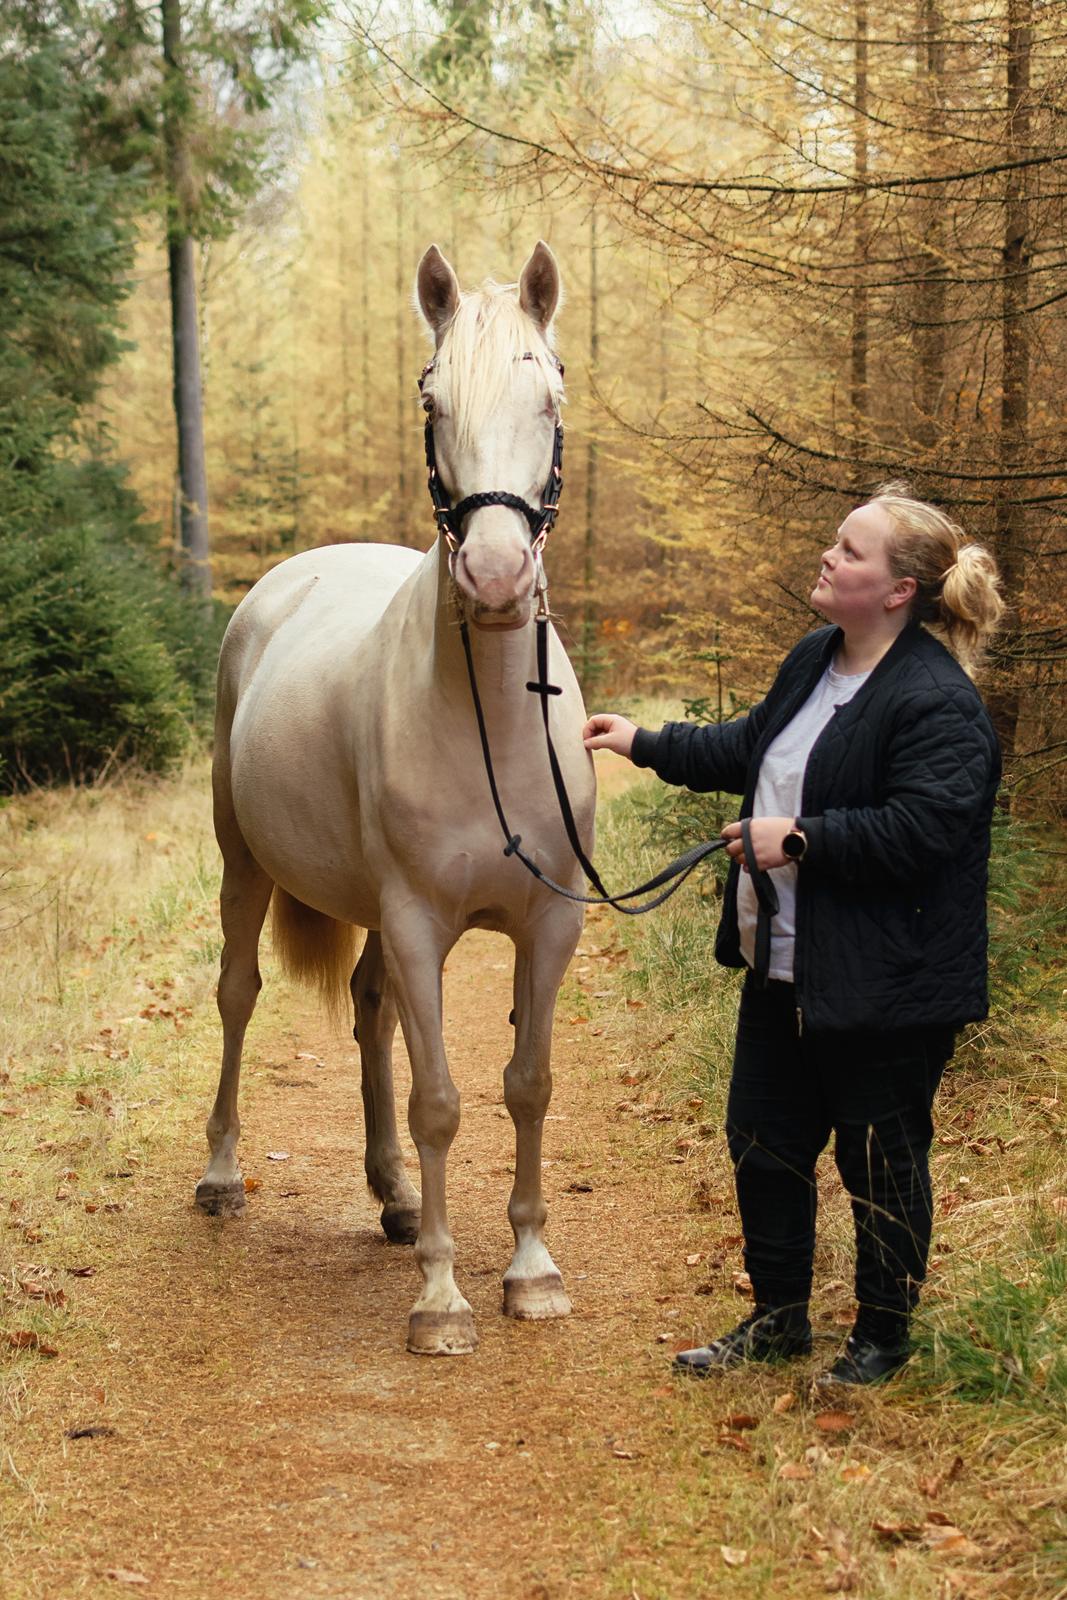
450, 521
450, 518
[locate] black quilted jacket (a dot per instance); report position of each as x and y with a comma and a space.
897, 801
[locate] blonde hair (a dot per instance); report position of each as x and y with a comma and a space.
957, 583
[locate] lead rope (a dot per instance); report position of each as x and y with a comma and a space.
673, 875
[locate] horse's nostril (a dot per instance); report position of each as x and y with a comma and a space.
495, 575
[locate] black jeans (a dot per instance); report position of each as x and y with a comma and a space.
874, 1090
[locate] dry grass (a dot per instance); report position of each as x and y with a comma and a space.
107, 913
949, 1482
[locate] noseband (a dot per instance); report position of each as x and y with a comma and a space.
450, 518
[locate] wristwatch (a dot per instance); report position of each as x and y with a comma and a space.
795, 843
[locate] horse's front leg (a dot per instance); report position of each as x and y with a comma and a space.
533, 1286
441, 1321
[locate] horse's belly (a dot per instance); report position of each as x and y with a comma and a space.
295, 797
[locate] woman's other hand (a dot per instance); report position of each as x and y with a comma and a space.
767, 835
608, 731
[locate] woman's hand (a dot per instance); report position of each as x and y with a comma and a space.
608, 731
767, 836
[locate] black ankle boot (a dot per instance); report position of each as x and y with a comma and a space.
863, 1361
769, 1334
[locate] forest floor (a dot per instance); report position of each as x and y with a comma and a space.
193, 1405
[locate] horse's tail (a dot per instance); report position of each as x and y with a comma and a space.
314, 948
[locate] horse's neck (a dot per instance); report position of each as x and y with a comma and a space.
504, 660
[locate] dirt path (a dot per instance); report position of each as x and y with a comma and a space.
270, 1434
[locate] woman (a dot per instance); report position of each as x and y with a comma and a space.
869, 773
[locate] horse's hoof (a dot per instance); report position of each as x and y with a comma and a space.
536, 1299
441, 1333
221, 1199
400, 1224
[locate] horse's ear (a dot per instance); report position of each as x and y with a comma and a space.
437, 290
539, 286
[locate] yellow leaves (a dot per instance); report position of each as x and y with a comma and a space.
784, 1403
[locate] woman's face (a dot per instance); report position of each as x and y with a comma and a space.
855, 586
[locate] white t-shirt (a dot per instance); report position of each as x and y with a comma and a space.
778, 794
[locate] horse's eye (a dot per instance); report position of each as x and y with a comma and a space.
427, 404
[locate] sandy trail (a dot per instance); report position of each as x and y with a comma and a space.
270, 1434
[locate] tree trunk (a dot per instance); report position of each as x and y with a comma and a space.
930, 331
1015, 355
188, 391
366, 256
589, 610
859, 387
403, 377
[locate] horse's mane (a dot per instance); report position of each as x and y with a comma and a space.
475, 365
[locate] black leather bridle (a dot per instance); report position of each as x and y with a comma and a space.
450, 518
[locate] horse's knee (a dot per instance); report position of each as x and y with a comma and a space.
527, 1088
433, 1114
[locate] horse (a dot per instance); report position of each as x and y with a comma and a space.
349, 787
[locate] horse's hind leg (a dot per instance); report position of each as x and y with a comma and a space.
246, 892
533, 1286
376, 1019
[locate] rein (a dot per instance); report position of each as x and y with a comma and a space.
540, 520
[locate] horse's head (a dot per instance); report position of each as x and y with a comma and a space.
492, 393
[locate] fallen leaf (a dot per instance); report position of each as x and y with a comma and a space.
784, 1402
743, 1284
635, 1005
944, 1539
95, 1430
835, 1421
692, 1259
739, 1420
734, 1441
84, 1098
252, 1184
732, 1555
125, 1575
81, 1272
308, 1055
25, 1339
622, 1454
854, 1472
277, 1155
795, 1472
578, 1187
896, 1532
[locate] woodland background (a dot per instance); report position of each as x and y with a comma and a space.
805, 248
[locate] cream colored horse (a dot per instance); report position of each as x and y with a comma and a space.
349, 783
